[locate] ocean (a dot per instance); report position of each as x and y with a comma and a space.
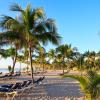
5, 70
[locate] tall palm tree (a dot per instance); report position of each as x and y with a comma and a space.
32, 27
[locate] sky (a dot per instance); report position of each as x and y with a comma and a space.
78, 21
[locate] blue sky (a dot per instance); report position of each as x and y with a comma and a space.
78, 21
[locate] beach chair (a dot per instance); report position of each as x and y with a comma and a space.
16, 75
8, 91
39, 80
27, 85
29, 82
43, 78
24, 83
15, 89
3, 76
24, 86
10, 76
7, 86
6, 76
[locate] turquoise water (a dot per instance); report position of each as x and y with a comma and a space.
5, 70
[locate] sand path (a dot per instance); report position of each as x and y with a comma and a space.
53, 89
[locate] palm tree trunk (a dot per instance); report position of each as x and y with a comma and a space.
27, 64
20, 67
30, 56
63, 69
14, 62
53, 66
63, 65
43, 66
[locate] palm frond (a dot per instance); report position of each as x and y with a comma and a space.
16, 7
9, 23
4, 53
6, 22
40, 28
32, 19
48, 37
94, 82
82, 80
39, 13
13, 38
91, 75
9, 35
50, 24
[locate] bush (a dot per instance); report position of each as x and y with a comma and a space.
9, 69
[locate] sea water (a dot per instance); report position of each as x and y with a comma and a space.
5, 70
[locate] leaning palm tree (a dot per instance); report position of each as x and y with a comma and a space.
32, 27
13, 54
13, 40
90, 84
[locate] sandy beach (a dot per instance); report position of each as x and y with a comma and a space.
53, 87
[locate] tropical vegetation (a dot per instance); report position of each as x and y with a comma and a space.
23, 38
29, 29
90, 83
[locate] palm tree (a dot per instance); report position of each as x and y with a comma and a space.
90, 61
42, 56
32, 27
13, 54
65, 51
52, 57
12, 39
97, 60
80, 62
73, 57
20, 59
59, 61
3, 53
90, 84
